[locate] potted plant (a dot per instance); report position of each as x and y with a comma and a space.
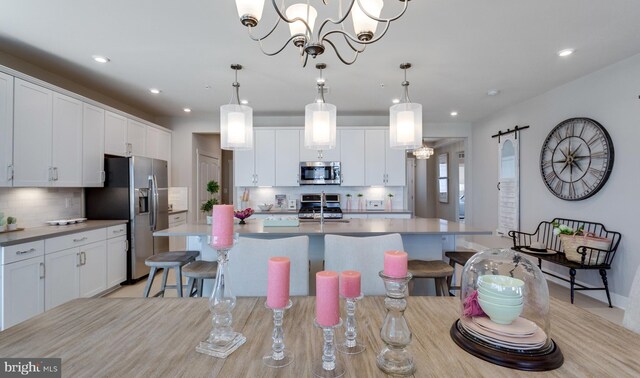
12, 223
2, 222
212, 187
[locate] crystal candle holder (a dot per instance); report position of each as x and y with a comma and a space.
351, 344
279, 356
394, 358
222, 340
330, 367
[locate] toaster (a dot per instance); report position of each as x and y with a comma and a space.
375, 205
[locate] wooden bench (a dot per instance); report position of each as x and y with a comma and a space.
544, 234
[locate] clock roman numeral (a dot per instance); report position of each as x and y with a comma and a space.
595, 172
572, 190
558, 187
549, 177
593, 139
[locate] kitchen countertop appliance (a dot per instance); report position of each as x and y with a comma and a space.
136, 189
310, 205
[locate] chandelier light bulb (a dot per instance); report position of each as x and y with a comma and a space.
250, 11
363, 25
305, 12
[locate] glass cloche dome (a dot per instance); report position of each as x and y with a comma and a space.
504, 311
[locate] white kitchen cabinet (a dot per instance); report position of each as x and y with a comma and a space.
93, 174
327, 155
287, 161
6, 130
177, 243
153, 142
136, 138
117, 261
115, 134
22, 288
62, 277
32, 134
256, 167
93, 275
384, 166
66, 149
352, 153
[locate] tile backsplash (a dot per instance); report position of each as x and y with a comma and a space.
34, 206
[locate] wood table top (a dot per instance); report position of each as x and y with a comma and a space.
156, 337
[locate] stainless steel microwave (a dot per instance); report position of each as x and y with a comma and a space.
320, 173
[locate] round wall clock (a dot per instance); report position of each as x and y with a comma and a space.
576, 159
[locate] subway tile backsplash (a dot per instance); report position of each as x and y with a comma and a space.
34, 206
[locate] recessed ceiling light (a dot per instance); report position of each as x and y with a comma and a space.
396, 100
187, 110
565, 52
493, 92
244, 102
101, 59
453, 114
154, 90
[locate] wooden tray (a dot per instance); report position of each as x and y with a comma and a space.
17, 229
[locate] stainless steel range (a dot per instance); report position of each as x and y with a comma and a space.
310, 206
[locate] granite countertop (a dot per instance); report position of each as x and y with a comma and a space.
45, 232
369, 227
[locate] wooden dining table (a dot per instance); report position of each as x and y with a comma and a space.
156, 337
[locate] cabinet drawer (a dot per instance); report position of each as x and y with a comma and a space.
22, 251
74, 240
178, 219
115, 231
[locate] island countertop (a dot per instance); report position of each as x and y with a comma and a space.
357, 227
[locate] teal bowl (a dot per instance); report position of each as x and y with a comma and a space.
499, 299
501, 285
501, 314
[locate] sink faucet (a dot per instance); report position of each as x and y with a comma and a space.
323, 200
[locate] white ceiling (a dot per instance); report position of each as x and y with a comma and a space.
459, 49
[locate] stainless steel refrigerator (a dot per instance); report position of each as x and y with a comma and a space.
135, 189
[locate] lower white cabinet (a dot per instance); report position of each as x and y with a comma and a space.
62, 278
93, 275
177, 243
22, 292
116, 261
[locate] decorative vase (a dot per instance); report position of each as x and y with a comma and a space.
348, 204
389, 203
12, 227
209, 219
360, 204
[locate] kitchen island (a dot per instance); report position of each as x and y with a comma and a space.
423, 238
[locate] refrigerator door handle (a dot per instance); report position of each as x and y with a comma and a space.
154, 208
151, 200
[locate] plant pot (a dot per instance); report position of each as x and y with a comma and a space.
12, 227
208, 219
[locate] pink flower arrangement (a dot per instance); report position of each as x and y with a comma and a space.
243, 214
471, 307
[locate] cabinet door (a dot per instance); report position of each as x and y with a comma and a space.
287, 157
265, 158
327, 155
374, 157
244, 167
6, 130
137, 138
153, 142
117, 261
395, 164
62, 280
33, 107
115, 134
92, 146
352, 154
23, 291
93, 275
66, 156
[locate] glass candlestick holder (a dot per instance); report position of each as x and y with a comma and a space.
330, 367
222, 340
394, 358
351, 344
279, 356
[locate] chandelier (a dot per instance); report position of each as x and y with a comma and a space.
423, 152
301, 17
236, 121
320, 120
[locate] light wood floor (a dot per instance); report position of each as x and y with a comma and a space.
594, 306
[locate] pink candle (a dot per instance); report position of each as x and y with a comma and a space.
222, 226
327, 305
278, 282
395, 263
350, 284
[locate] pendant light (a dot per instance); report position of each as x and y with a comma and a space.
405, 119
236, 120
320, 121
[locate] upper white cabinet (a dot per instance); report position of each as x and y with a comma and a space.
287, 157
158, 144
115, 134
384, 166
352, 157
32, 134
66, 149
256, 167
136, 138
6, 130
92, 146
312, 155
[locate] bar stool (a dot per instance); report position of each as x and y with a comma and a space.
457, 257
436, 269
197, 272
166, 261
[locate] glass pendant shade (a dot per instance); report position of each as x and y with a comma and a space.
363, 24
320, 126
236, 127
251, 8
300, 10
406, 126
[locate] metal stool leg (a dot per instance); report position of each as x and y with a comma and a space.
163, 287
147, 287
200, 282
179, 280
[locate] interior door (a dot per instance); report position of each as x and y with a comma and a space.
208, 169
508, 184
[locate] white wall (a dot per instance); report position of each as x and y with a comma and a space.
610, 96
